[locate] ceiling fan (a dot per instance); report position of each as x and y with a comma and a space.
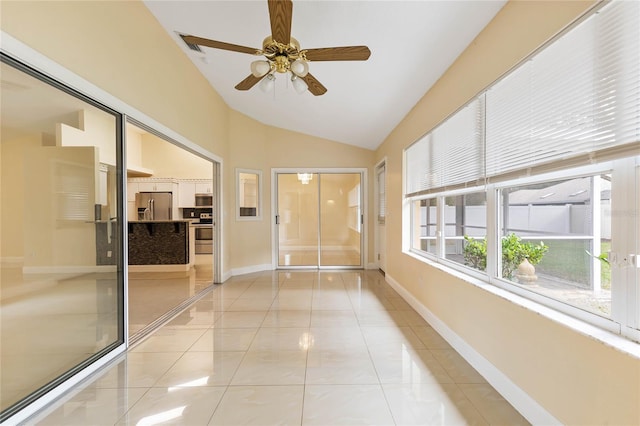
283, 53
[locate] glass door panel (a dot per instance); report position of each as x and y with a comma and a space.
61, 299
319, 219
340, 219
298, 220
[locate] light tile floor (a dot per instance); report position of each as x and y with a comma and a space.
310, 348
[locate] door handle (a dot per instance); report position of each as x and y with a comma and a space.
277, 219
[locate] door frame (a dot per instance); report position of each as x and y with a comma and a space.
365, 212
376, 202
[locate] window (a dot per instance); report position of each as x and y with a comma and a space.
464, 216
248, 195
424, 225
568, 223
537, 180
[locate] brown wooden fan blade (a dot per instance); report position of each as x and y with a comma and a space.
347, 53
280, 12
189, 39
248, 82
315, 87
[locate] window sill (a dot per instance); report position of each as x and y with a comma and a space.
582, 327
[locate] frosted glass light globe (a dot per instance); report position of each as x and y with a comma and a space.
300, 68
260, 68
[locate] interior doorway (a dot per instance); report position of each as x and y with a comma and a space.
319, 219
172, 228
381, 212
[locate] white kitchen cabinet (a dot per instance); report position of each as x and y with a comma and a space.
186, 193
204, 187
188, 188
157, 186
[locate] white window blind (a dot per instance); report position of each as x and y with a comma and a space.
417, 166
580, 95
459, 144
451, 155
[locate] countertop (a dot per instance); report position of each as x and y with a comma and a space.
159, 221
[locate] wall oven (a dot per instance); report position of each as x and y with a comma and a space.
204, 234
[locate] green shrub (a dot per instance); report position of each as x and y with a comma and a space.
514, 251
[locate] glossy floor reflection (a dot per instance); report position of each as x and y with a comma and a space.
346, 256
310, 348
152, 294
49, 323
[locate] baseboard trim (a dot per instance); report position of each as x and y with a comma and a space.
226, 275
372, 265
68, 269
251, 269
521, 401
160, 268
12, 260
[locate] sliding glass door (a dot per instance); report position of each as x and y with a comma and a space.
319, 219
61, 279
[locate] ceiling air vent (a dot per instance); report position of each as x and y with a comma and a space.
191, 46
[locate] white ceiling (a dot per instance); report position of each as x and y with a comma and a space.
412, 45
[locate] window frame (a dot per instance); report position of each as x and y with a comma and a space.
615, 323
258, 215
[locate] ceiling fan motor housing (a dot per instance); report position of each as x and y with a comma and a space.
280, 54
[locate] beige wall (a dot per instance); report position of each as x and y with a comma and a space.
120, 47
14, 145
170, 161
254, 145
575, 378
582, 381
95, 129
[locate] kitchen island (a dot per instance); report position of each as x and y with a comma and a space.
160, 245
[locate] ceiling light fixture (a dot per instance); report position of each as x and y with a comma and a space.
283, 59
305, 178
267, 83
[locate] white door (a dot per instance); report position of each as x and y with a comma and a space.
381, 203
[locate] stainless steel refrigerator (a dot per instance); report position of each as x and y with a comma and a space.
154, 205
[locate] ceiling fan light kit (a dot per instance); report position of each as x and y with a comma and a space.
298, 84
283, 54
260, 68
267, 83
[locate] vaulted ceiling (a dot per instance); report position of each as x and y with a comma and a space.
412, 44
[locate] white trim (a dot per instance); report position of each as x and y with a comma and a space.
599, 332
364, 194
22, 52
372, 265
527, 406
161, 268
259, 191
225, 276
27, 55
60, 391
251, 269
376, 211
34, 59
